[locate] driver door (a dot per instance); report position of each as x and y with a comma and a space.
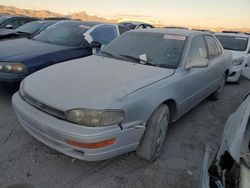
197, 79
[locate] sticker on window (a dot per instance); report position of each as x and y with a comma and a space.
240, 38
202, 52
175, 37
84, 26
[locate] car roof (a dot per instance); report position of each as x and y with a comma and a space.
135, 23
184, 32
233, 34
87, 23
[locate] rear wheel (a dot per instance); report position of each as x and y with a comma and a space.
152, 142
217, 94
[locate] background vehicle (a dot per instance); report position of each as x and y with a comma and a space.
239, 45
231, 165
60, 42
136, 25
150, 77
13, 22
28, 30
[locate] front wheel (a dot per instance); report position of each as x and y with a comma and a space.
153, 139
217, 94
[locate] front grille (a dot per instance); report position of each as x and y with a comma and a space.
43, 107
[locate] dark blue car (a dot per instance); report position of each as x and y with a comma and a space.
27, 30
63, 41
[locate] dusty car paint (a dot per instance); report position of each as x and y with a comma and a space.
106, 83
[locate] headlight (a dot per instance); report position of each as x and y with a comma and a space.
238, 61
13, 68
95, 118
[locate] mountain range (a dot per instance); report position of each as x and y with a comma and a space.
10, 10
84, 16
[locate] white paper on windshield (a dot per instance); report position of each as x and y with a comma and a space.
144, 58
175, 37
87, 37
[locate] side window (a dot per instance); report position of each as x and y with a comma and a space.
212, 46
198, 51
104, 34
122, 29
148, 26
16, 23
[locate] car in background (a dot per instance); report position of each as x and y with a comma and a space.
57, 18
230, 167
28, 30
136, 25
63, 41
13, 22
239, 45
175, 27
123, 98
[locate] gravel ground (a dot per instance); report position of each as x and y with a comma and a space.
25, 160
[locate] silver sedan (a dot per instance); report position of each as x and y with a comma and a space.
123, 98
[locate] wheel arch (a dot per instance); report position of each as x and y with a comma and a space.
172, 105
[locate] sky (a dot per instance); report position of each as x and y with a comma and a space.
203, 13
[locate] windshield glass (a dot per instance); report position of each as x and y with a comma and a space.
64, 33
233, 42
3, 19
30, 27
157, 49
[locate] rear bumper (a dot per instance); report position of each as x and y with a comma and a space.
54, 133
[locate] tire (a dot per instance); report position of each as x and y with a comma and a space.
217, 94
152, 142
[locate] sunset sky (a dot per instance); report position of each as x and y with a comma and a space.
209, 13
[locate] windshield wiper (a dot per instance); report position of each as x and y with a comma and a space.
138, 60
147, 62
109, 54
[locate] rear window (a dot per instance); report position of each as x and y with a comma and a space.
235, 43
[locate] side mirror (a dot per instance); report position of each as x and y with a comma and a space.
9, 26
246, 72
197, 64
95, 44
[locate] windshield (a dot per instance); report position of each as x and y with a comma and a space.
233, 42
64, 33
156, 49
3, 19
30, 27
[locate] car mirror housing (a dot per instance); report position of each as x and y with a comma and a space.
95, 44
246, 72
9, 26
197, 64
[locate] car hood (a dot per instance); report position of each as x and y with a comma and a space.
93, 82
234, 131
6, 32
232, 140
19, 50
